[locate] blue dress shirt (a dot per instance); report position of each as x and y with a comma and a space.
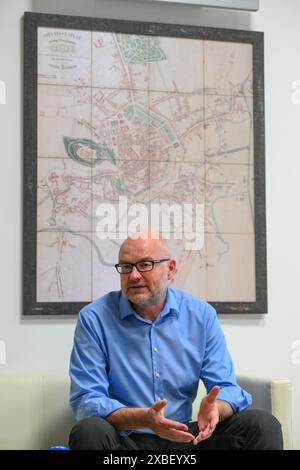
120, 359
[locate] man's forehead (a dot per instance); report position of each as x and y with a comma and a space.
141, 248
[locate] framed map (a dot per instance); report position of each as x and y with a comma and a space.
142, 116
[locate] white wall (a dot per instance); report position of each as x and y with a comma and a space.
260, 345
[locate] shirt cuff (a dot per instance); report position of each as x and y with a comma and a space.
107, 406
237, 398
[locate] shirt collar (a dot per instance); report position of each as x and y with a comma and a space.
171, 306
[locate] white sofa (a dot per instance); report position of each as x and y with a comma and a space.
35, 414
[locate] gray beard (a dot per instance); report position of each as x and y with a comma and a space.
153, 299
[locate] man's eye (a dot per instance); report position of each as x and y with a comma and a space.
145, 264
126, 266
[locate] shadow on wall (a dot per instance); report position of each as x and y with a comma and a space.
147, 10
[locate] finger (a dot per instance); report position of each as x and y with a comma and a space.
197, 439
213, 423
206, 435
212, 428
208, 432
213, 393
168, 423
158, 405
178, 436
210, 425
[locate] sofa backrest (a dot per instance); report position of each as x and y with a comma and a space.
35, 411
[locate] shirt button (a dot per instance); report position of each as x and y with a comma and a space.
157, 374
155, 349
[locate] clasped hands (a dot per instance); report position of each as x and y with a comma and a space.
208, 418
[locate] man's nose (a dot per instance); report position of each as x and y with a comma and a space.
135, 274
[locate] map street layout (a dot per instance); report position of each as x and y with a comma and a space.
158, 120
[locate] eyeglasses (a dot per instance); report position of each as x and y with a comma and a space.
141, 266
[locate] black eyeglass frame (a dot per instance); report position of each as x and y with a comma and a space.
152, 261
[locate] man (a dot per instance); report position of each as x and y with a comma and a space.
137, 359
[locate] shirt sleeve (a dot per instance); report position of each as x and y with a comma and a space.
89, 382
217, 367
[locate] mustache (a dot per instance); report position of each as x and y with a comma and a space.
136, 285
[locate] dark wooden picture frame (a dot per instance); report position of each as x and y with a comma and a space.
32, 21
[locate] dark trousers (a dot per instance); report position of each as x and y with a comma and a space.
247, 430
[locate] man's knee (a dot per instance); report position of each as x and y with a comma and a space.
93, 433
264, 428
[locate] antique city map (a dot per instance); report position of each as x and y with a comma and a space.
151, 120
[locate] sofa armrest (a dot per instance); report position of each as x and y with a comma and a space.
272, 395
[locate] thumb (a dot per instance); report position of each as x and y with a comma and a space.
213, 394
159, 405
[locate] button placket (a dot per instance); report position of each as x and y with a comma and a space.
156, 365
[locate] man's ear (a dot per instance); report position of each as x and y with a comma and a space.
171, 269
